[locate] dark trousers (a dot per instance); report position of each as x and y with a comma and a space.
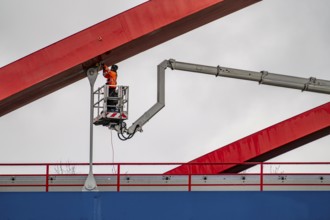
111, 103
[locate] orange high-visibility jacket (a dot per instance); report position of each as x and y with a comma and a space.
111, 77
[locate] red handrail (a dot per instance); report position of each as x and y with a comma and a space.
189, 184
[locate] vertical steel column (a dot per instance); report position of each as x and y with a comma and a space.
90, 183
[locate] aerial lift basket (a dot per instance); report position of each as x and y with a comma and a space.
110, 110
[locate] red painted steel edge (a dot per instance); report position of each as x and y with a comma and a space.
112, 41
265, 144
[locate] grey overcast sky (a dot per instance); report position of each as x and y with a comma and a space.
202, 112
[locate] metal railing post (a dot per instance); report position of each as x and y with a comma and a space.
118, 178
47, 177
261, 176
189, 182
189, 179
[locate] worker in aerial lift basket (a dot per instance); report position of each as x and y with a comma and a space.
111, 75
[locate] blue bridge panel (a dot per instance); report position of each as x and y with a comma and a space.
165, 205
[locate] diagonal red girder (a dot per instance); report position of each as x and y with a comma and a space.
265, 144
112, 41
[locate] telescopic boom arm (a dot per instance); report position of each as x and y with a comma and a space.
304, 84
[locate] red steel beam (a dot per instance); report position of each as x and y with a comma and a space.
265, 144
112, 41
